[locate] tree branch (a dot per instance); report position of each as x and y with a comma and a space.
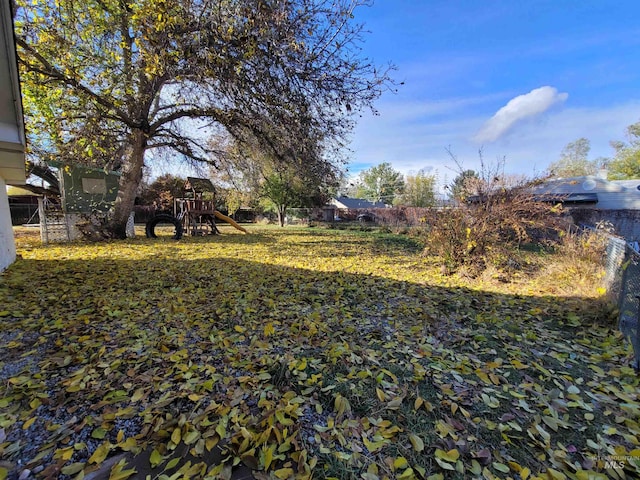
214, 113
54, 73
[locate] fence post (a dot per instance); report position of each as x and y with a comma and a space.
44, 238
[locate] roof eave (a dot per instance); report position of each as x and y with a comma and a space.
12, 148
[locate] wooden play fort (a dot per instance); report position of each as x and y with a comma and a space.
195, 213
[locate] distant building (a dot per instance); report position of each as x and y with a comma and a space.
12, 139
23, 205
347, 203
592, 192
593, 201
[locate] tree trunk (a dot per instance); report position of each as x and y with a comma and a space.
129, 183
282, 210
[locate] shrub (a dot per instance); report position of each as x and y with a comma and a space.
492, 222
447, 235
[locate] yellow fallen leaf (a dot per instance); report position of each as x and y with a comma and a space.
211, 442
176, 436
100, 453
483, 376
64, 453
117, 472
518, 364
121, 475
515, 466
341, 405
284, 473
29, 422
155, 458
72, 469
416, 442
556, 475
551, 422
302, 365
268, 329
137, 395
374, 446
400, 463
191, 437
268, 456
408, 474
450, 456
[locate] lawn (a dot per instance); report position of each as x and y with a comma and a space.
306, 353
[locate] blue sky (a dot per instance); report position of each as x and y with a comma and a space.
518, 78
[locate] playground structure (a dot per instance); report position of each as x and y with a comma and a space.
197, 209
85, 191
195, 213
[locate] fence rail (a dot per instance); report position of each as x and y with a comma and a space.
623, 283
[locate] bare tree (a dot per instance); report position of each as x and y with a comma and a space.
255, 173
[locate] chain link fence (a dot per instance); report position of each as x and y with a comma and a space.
623, 284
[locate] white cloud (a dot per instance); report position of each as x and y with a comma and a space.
529, 149
534, 103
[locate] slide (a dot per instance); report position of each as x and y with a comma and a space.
224, 218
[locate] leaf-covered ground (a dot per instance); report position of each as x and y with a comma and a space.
303, 353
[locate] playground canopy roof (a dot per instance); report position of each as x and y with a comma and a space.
199, 185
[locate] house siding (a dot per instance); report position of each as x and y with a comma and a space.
7, 243
12, 140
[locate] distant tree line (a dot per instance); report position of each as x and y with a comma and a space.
574, 159
382, 183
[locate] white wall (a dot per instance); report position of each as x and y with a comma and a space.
7, 242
